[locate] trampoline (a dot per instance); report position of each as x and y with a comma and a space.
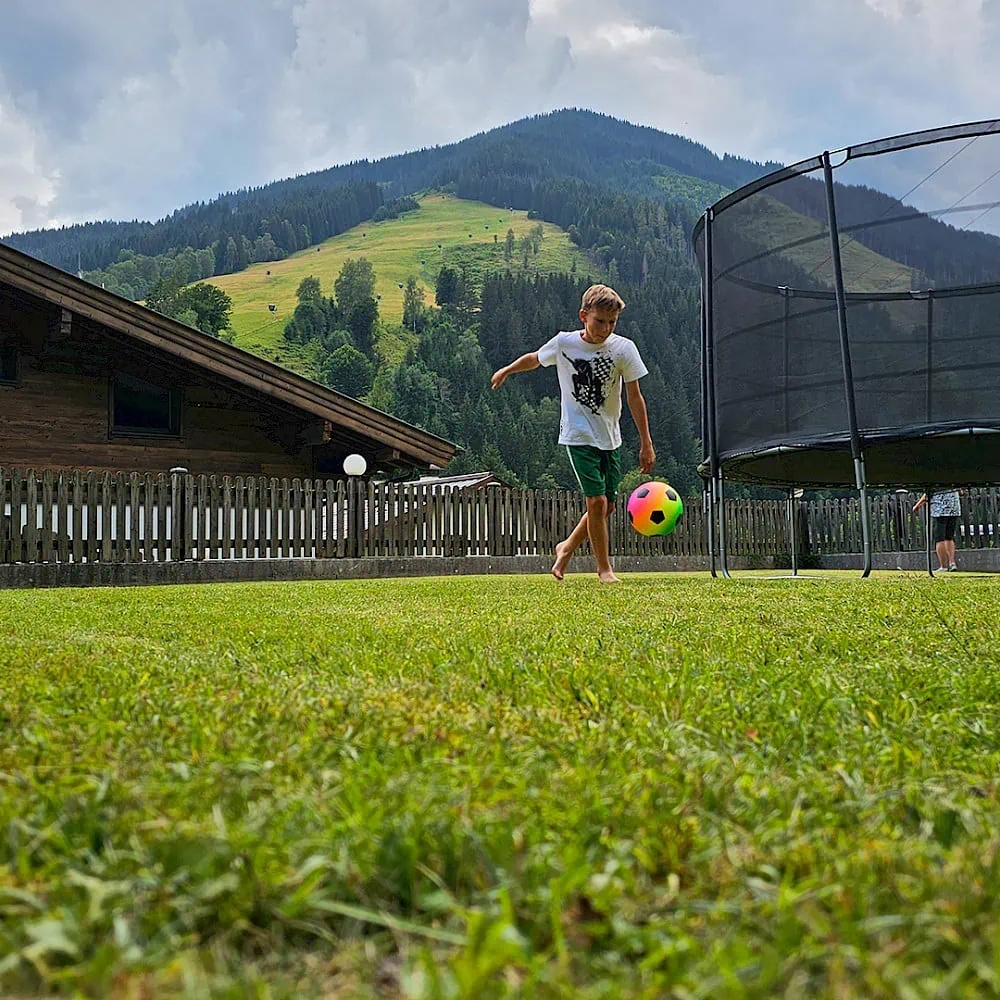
851, 322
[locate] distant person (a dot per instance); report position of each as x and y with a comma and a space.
592, 363
946, 508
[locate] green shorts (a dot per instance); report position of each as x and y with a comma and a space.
598, 472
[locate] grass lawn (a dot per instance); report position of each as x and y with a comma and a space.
398, 249
500, 787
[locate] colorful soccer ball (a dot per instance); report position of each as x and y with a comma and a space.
654, 508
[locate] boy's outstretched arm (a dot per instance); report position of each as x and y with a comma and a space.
637, 406
525, 363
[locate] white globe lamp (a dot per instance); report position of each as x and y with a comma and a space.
355, 465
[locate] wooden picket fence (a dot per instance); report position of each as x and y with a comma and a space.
86, 517
119, 517
827, 527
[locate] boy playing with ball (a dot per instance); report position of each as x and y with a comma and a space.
592, 363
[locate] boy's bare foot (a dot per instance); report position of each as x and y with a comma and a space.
608, 577
562, 560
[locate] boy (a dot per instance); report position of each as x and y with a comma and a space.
592, 363
946, 509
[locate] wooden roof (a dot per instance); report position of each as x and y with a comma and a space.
469, 480
119, 314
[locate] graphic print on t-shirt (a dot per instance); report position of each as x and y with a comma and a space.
590, 379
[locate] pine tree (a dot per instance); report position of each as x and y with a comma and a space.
413, 305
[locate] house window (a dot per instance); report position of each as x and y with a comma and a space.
141, 408
8, 363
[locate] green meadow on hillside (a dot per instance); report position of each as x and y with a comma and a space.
698, 193
480, 788
398, 249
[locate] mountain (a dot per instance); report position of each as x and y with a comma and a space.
513, 166
624, 199
305, 210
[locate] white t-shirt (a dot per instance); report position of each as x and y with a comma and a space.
590, 380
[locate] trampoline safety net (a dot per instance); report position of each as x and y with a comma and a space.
917, 236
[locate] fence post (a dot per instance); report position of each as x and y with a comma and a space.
351, 522
178, 543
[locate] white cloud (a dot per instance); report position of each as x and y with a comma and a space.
894, 10
118, 109
31, 188
648, 73
376, 78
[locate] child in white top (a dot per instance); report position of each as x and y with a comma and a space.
592, 363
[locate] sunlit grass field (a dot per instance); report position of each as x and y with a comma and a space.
502, 787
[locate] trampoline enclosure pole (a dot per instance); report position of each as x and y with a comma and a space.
785, 293
707, 498
721, 503
930, 354
845, 354
713, 443
929, 533
792, 527
709, 510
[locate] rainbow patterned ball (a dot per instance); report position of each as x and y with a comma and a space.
654, 508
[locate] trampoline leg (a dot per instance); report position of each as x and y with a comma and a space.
710, 527
930, 543
866, 533
857, 449
721, 506
794, 533
866, 528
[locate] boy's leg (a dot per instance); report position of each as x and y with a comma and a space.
599, 511
589, 467
941, 543
949, 537
942, 553
565, 549
612, 468
585, 463
597, 526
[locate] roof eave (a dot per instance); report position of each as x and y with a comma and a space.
69, 292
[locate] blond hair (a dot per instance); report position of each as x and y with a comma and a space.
602, 297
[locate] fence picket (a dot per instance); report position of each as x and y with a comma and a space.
16, 548
5, 520
105, 538
119, 510
90, 499
46, 527
250, 536
227, 528
295, 530
61, 540
31, 517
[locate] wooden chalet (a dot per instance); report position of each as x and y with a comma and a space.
90, 380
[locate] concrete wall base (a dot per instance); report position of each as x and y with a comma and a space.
243, 571
968, 560
246, 571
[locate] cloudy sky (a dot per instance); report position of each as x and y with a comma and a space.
124, 109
